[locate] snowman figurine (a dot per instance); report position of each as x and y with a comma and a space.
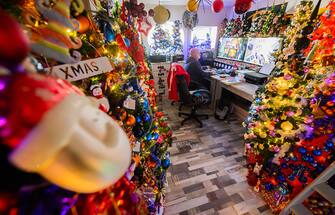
97, 93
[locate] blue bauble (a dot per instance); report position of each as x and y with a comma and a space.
305, 158
291, 177
146, 104
138, 119
317, 152
127, 42
329, 145
281, 178
302, 150
268, 187
149, 137
146, 117
109, 33
310, 159
166, 163
156, 136
110, 36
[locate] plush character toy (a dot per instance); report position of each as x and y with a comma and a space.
97, 93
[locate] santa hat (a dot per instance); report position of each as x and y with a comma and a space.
54, 130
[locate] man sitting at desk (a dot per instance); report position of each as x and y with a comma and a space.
193, 67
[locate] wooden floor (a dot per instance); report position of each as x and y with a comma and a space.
207, 175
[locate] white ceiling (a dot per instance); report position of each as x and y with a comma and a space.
228, 3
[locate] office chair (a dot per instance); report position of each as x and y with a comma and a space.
193, 99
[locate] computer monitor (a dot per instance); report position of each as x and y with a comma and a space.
260, 50
206, 58
232, 48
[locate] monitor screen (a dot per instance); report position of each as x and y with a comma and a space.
233, 48
260, 50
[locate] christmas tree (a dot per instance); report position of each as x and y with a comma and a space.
289, 139
127, 95
208, 43
195, 42
177, 43
162, 43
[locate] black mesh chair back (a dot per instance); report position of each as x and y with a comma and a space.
184, 95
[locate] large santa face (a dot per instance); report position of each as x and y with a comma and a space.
76, 146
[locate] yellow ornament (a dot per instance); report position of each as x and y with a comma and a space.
162, 14
261, 146
322, 10
286, 126
262, 134
192, 5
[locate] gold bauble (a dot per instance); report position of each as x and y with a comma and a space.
162, 14
192, 5
286, 126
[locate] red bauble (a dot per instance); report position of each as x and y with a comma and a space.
14, 44
252, 179
217, 6
242, 6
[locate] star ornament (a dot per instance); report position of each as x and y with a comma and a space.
144, 26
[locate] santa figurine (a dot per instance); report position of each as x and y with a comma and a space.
97, 93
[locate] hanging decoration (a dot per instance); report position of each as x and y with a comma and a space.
161, 14
190, 20
84, 24
144, 26
136, 10
54, 36
12, 53
217, 6
192, 5
242, 6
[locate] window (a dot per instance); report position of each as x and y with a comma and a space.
204, 37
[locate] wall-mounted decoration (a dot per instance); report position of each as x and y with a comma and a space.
190, 20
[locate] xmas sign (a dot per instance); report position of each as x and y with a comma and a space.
81, 70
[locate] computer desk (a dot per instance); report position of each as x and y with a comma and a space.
244, 90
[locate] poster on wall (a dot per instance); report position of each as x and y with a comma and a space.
232, 48
260, 50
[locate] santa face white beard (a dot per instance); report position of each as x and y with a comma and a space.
76, 146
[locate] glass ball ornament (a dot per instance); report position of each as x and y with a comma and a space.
302, 150
317, 152
268, 186
166, 163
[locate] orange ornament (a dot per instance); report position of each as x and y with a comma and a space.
130, 120
84, 24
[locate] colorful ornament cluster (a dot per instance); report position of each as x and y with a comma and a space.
126, 94
263, 23
289, 138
